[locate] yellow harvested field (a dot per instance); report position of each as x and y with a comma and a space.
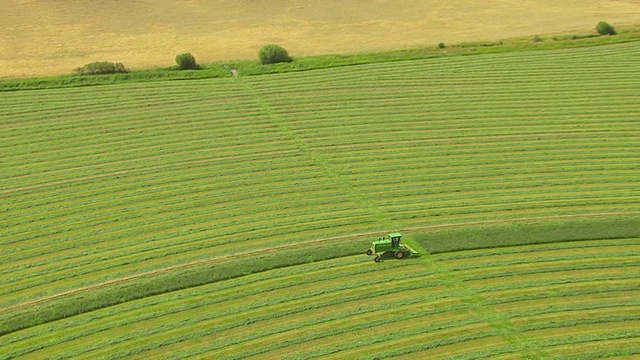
44, 37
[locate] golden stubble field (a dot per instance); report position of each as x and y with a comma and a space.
49, 37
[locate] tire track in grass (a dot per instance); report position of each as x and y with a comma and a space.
527, 347
169, 269
316, 157
289, 246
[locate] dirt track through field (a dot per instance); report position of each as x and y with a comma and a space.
284, 247
41, 37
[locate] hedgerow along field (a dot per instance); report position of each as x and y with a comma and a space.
116, 193
70, 34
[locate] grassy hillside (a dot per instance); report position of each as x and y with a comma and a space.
114, 193
41, 37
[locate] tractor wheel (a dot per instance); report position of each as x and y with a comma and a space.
377, 259
399, 254
369, 252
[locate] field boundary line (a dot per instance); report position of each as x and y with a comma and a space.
486, 313
291, 246
342, 183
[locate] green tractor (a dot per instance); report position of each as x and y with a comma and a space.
391, 247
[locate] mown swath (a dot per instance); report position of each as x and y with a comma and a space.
104, 183
343, 307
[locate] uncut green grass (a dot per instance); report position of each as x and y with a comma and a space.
570, 299
111, 181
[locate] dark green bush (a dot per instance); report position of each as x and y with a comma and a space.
187, 61
100, 67
272, 54
441, 45
605, 28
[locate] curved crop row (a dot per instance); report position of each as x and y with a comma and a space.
104, 183
468, 303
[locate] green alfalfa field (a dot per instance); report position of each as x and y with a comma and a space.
228, 218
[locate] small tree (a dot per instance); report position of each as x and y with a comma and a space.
605, 28
186, 61
442, 45
272, 54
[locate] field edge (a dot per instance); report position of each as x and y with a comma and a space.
252, 68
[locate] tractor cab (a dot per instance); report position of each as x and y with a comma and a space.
390, 247
395, 239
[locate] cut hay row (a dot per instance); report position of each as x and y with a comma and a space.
352, 308
254, 294
105, 183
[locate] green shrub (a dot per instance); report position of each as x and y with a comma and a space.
272, 54
605, 28
441, 45
100, 67
187, 61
